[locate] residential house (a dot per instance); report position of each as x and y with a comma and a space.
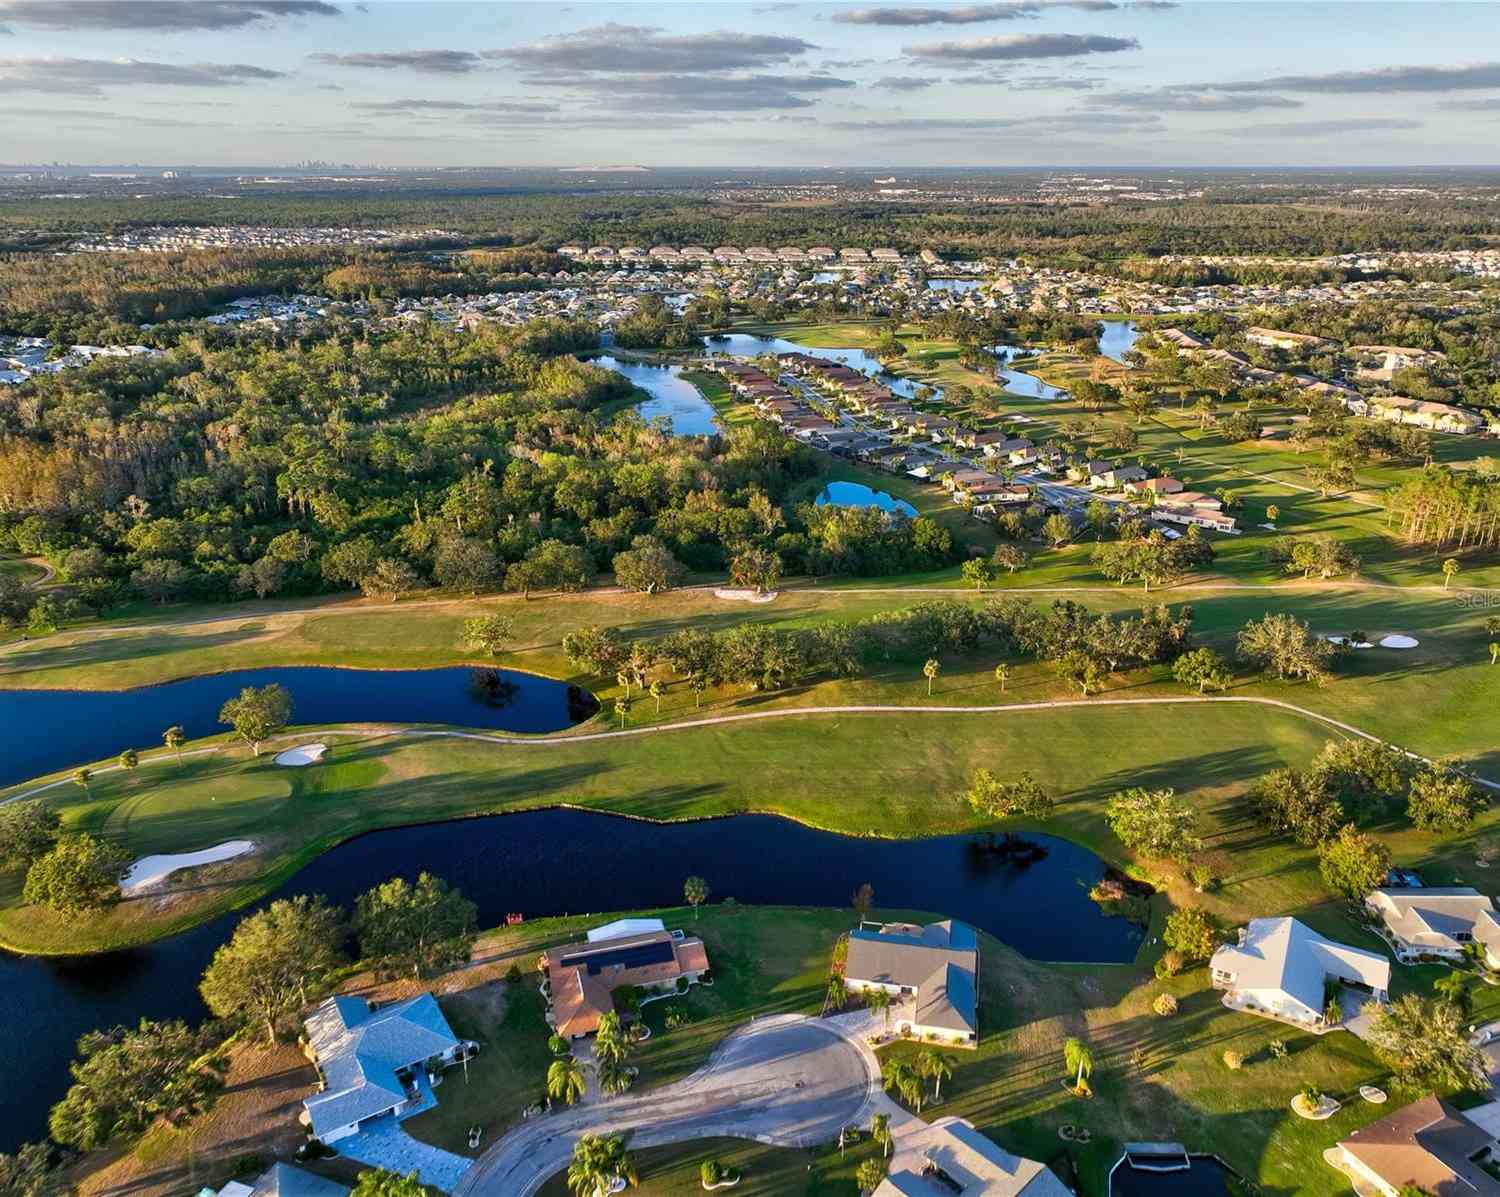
1181, 339
582, 977
1087, 471
1116, 477
1280, 968
1194, 516
1429, 1146
950, 1158
283, 1180
1275, 338
1437, 921
1157, 486
935, 966
1439, 417
375, 1062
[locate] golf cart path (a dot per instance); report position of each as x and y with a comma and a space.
543, 743
789, 1080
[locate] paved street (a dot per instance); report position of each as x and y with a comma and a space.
789, 1080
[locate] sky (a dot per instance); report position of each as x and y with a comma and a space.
415, 83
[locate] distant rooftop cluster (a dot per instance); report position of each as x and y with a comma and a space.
26, 357
172, 239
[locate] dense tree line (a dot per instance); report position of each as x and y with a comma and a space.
383, 463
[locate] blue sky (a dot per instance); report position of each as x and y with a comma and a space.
1015, 83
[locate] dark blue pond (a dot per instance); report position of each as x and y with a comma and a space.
42, 731
1032, 895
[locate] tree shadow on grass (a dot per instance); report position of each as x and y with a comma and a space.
41, 656
1202, 771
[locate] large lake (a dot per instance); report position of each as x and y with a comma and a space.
744, 345
672, 396
42, 731
553, 862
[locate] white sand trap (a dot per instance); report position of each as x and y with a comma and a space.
746, 596
151, 870
303, 754
1398, 641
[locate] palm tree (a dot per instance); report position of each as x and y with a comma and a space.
1002, 673
129, 759
930, 671
622, 709
1272, 512
869, 1175
1079, 1061
597, 1163
1494, 651
565, 1079
695, 890
900, 1078
880, 999
880, 1132
937, 1067
610, 1044
82, 777
614, 1077
697, 683
1450, 567
837, 993
655, 691
624, 679
174, 738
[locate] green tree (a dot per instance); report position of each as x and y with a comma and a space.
656, 690
552, 565
1426, 1045
258, 714
757, 568
1286, 644
1352, 863
594, 649
489, 633
1021, 798
611, 1043
648, 566
930, 669
29, 829
1442, 799
1191, 932
1202, 668
174, 738
381, 1182
695, 890
130, 759
869, 1175
1454, 989
125, 1079
978, 573
33, 1172
1154, 822
622, 709
1002, 675
1450, 570
389, 578
936, 1067
598, 1161
80, 875
565, 1080
1057, 530
879, 1000
1079, 1060
271, 963
82, 777
416, 929
465, 563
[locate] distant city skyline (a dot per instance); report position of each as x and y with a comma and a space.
415, 83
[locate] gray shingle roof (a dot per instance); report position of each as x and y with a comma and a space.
939, 961
360, 1051
283, 1180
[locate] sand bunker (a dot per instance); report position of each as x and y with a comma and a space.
150, 870
303, 754
745, 596
1397, 641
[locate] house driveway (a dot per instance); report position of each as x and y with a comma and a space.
386, 1145
1359, 1011
791, 1080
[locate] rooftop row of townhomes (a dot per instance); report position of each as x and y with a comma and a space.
733, 253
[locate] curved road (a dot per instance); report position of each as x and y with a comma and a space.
790, 1080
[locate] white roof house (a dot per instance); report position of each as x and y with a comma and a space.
950, 1157
374, 1062
1437, 921
1280, 967
623, 927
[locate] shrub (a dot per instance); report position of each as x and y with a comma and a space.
711, 1172
1170, 964
1165, 1005
1191, 931
558, 1046
513, 974
1233, 1060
